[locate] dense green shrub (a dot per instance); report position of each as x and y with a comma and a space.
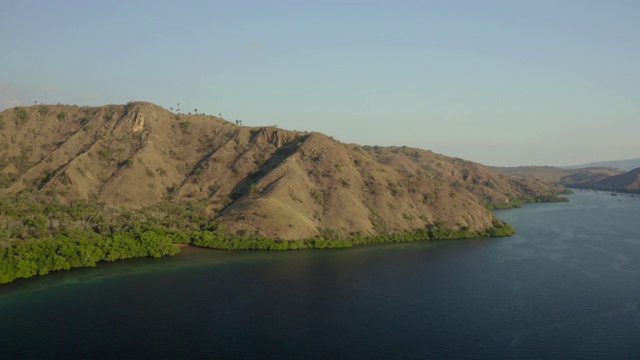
220, 240
21, 113
39, 235
78, 249
43, 110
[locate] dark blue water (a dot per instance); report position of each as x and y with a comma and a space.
566, 286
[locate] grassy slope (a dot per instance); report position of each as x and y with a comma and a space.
139, 167
283, 184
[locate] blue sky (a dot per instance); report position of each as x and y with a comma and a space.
498, 82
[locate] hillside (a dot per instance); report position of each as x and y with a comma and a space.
553, 174
623, 165
545, 173
600, 178
588, 176
628, 181
255, 180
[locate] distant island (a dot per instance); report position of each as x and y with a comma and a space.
596, 178
623, 165
81, 185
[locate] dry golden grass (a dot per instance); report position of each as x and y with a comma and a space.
280, 183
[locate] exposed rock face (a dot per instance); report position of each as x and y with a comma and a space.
275, 137
138, 124
279, 183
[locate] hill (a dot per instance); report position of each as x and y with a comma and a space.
79, 185
588, 176
627, 181
624, 165
553, 174
278, 183
599, 178
275, 182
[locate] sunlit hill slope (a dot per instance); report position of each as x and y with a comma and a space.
278, 183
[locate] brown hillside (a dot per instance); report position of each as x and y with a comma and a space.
629, 180
588, 176
558, 175
276, 182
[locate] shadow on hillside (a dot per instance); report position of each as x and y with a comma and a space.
243, 186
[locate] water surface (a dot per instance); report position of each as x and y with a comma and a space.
565, 286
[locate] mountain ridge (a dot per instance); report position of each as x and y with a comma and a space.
627, 181
261, 180
552, 174
624, 165
595, 177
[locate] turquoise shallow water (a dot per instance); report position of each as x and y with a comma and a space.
565, 286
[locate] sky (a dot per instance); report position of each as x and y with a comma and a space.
504, 83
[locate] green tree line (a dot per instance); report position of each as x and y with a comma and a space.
79, 248
39, 235
221, 240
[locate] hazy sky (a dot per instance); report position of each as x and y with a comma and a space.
498, 82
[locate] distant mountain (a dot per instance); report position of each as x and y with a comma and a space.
628, 181
625, 165
256, 180
588, 175
595, 178
559, 175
